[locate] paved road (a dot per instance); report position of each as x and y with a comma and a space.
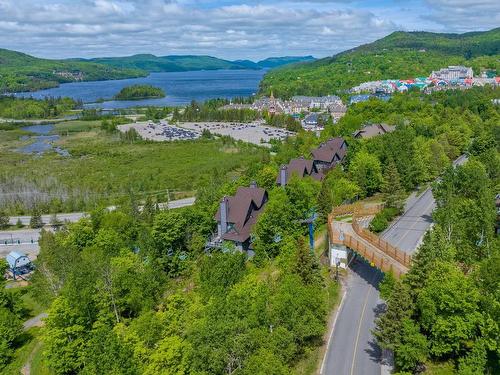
407, 231
352, 348
75, 216
26, 240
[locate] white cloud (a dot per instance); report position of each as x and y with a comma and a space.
228, 28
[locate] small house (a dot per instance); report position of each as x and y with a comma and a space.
329, 153
370, 131
299, 167
238, 214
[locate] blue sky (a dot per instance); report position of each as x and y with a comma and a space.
228, 28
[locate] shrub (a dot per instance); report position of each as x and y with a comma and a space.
381, 220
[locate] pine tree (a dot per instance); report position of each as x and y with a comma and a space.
388, 328
36, 219
4, 220
325, 201
307, 266
148, 210
391, 187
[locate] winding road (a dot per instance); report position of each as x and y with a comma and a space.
352, 349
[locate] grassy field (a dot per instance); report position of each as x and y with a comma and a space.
103, 169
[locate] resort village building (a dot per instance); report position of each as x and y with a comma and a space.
453, 73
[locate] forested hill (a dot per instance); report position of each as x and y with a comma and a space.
180, 63
22, 72
398, 55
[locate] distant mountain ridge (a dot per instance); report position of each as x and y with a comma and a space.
179, 63
22, 72
398, 55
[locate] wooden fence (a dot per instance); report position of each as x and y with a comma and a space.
382, 245
357, 211
375, 259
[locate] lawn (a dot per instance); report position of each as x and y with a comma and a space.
103, 169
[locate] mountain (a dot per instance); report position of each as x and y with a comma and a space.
22, 72
274, 62
398, 55
174, 63
179, 63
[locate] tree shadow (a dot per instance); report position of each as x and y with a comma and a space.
370, 274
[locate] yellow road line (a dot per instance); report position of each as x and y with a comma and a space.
359, 326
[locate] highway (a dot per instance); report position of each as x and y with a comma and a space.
407, 231
75, 216
26, 240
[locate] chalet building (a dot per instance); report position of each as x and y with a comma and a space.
237, 215
329, 153
299, 167
370, 131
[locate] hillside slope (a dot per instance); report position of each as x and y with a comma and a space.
399, 55
21, 72
180, 63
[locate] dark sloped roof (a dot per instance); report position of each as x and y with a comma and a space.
369, 131
327, 150
300, 167
243, 209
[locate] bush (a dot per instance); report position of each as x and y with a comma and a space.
381, 220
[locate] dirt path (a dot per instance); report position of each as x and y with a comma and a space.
26, 370
35, 321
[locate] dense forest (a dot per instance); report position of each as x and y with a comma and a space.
401, 55
21, 72
27, 108
134, 292
181, 63
137, 92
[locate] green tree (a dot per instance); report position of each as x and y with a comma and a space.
413, 347
449, 309
325, 201
4, 220
10, 330
306, 266
391, 186
36, 219
172, 357
64, 337
366, 171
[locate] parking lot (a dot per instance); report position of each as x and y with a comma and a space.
253, 132
160, 132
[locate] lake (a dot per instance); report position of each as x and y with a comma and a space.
180, 88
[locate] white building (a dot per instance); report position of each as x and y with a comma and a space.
453, 72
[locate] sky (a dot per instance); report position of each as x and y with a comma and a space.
230, 29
